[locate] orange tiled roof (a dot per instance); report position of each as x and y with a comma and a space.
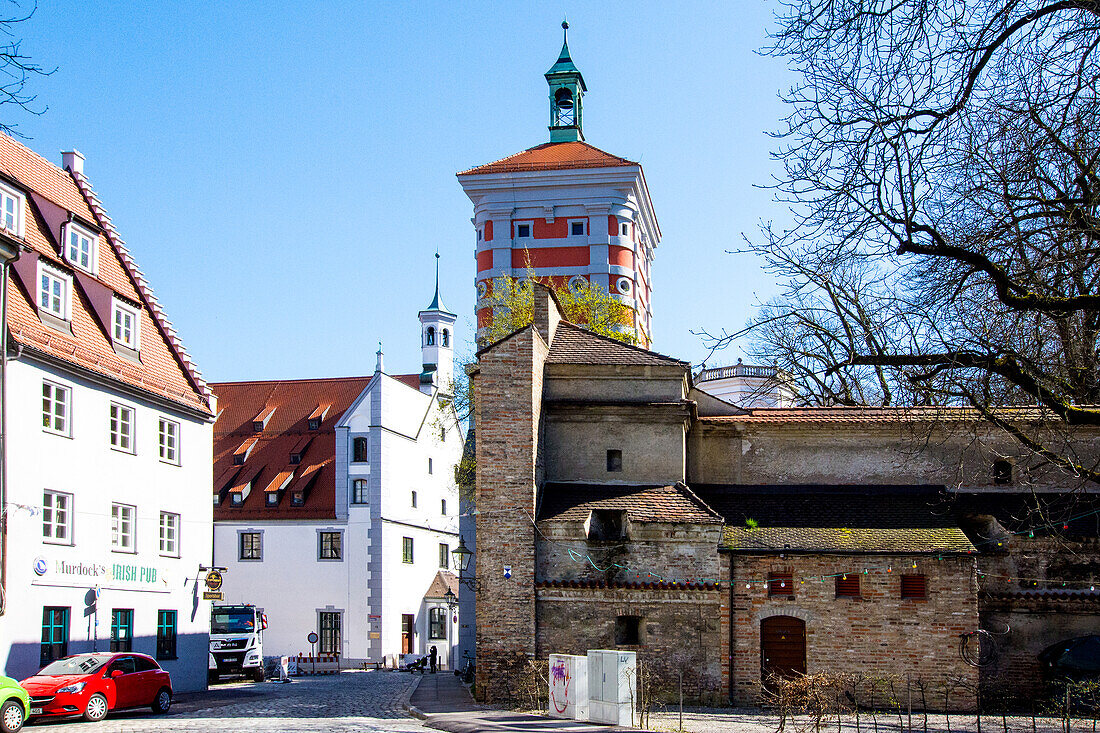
552, 156
166, 369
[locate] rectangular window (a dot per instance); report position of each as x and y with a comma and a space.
407, 549
628, 630
122, 629
523, 230
169, 534
413, 499
359, 450
914, 586
329, 622
437, 623
80, 247
166, 634
169, 441
359, 491
126, 326
55, 634
57, 517
625, 229
847, 585
252, 546
53, 293
444, 555
443, 507
576, 228
11, 210
429, 466
122, 428
122, 528
614, 460
780, 584
55, 408
330, 546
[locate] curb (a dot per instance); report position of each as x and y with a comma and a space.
406, 701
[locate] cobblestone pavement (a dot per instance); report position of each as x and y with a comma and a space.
352, 701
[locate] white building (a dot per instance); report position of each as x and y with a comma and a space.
109, 435
336, 505
747, 386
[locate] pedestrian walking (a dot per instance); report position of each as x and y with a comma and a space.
434, 656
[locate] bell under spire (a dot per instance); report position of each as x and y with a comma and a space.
566, 89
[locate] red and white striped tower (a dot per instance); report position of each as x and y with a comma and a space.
567, 210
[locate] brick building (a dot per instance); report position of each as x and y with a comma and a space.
618, 506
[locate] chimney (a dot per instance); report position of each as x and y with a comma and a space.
545, 311
72, 160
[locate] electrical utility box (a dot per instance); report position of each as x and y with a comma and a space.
612, 686
568, 686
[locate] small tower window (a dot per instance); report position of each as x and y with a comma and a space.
359, 450
446, 336
429, 336
523, 231
576, 228
1002, 472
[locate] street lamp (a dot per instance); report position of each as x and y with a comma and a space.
462, 556
451, 599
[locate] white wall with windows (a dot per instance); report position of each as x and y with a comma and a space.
109, 518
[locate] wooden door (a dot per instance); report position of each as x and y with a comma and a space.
782, 647
406, 633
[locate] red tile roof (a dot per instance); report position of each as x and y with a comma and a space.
552, 156
165, 370
575, 345
293, 402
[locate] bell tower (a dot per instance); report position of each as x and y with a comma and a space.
437, 326
566, 90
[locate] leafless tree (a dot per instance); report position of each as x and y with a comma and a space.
16, 68
940, 163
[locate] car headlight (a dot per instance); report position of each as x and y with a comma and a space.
71, 688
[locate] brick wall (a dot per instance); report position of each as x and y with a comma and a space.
508, 392
682, 632
877, 636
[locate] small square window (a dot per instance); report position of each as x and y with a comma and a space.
122, 528
315, 423
53, 292
251, 546
628, 631
614, 460
606, 525
273, 498
57, 518
914, 586
126, 326
847, 585
11, 210
122, 428
81, 247
297, 499
168, 441
780, 584
576, 228
407, 550
331, 546
169, 534
523, 231
55, 408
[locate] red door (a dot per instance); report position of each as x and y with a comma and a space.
782, 648
406, 633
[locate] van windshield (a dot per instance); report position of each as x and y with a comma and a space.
232, 622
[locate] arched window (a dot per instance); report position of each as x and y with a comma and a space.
359, 450
446, 337
429, 339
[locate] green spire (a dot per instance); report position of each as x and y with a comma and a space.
437, 303
566, 89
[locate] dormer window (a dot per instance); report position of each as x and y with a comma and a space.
315, 423
11, 211
125, 319
260, 421
298, 498
273, 498
238, 499
53, 292
81, 247
317, 416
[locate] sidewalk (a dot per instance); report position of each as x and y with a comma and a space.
444, 703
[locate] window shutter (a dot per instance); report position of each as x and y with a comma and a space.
914, 586
847, 586
780, 584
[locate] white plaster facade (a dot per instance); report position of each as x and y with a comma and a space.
67, 573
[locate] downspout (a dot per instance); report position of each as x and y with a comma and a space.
4, 438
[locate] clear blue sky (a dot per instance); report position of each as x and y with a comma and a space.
284, 173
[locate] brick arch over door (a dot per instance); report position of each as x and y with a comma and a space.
782, 647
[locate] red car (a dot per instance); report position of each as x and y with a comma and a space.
92, 684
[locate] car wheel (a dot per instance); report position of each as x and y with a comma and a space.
258, 674
96, 708
11, 716
162, 701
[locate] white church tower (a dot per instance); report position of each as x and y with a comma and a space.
437, 338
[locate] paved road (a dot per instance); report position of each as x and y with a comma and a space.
352, 701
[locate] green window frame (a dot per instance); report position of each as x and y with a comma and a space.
407, 550
55, 634
166, 634
122, 629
